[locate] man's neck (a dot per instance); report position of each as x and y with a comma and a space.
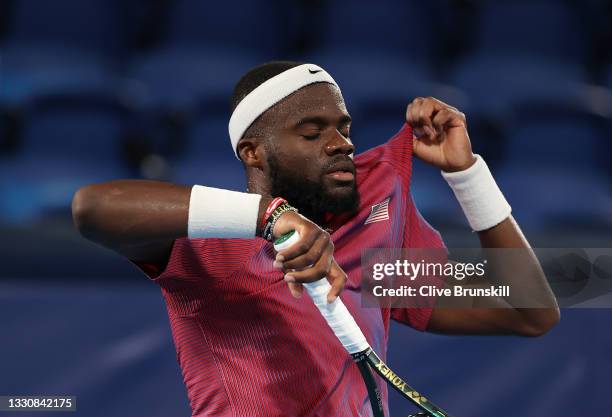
257, 184
262, 188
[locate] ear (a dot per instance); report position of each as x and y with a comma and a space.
252, 152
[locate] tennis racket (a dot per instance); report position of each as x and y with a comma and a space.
352, 338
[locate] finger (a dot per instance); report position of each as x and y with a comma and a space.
448, 118
312, 256
296, 289
412, 119
411, 112
337, 278
315, 272
308, 236
419, 117
442, 104
419, 132
425, 114
441, 119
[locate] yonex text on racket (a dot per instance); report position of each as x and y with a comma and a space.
352, 338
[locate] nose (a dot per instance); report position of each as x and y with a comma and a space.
338, 144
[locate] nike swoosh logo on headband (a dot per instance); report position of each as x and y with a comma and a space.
313, 71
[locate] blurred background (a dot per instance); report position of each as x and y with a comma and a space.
105, 89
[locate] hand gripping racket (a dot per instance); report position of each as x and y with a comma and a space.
352, 338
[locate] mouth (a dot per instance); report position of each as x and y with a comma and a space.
342, 171
344, 176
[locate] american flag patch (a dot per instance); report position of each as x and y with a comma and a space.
380, 212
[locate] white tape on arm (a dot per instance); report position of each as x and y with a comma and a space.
217, 213
335, 314
480, 198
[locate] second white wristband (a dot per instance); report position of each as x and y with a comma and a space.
482, 201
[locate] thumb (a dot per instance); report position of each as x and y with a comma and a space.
296, 289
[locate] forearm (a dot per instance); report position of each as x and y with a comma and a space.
507, 234
531, 308
141, 220
441, 139
511, 263
520, 270
136, 213
131, 211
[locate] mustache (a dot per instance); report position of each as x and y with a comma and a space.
341, 161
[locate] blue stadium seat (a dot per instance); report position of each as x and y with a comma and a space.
371, 80
67, 141
9, 128
209, 158
94, 25
185, 76
207, 47
545, 28
180, 83
60, 46
376, 54
608, 76
517, 58
255, 25
401, 26
496, 83
434, 198
557, 171
40, 70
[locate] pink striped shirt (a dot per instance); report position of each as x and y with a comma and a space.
246, 347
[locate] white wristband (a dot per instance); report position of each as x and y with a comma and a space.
480, 198
217, 213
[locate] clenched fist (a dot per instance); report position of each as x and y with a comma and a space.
440, 134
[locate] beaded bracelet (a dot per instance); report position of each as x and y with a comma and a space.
273, 218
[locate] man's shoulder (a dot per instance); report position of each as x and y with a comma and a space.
386, 163
207, 257
397, 149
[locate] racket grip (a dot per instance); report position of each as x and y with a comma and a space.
338, 317
335, 314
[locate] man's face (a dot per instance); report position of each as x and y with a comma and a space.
308, 152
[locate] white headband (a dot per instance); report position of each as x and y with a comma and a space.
271, 92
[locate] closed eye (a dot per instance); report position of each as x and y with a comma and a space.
312, 137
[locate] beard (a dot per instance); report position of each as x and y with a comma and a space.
312, 199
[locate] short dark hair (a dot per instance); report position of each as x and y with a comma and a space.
257, 76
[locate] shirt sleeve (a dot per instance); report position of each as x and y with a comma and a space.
155, 271
418, 233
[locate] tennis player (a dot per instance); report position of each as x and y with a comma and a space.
247, 344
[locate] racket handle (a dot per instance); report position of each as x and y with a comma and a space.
335, 314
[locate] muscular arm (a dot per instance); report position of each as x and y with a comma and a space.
140, 220
136, 218
441, 139
503, 318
